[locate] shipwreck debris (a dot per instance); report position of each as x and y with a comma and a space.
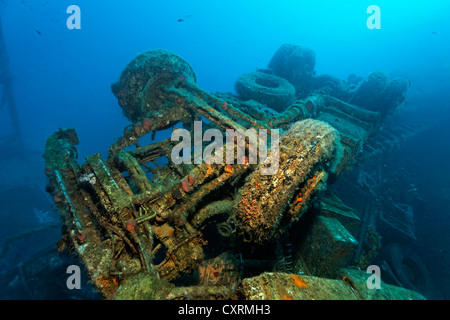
140, 228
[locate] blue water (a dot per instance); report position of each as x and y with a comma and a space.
62, 77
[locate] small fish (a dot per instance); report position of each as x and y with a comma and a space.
38, 32
186, 17
433, 32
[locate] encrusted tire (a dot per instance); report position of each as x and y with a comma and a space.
410, 269
295, 64
138, 88
272, 199
275, 92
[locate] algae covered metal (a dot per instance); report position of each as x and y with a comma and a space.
156, 221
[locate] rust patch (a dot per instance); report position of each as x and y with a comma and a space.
298, 281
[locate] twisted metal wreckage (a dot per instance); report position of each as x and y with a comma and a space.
146, 228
